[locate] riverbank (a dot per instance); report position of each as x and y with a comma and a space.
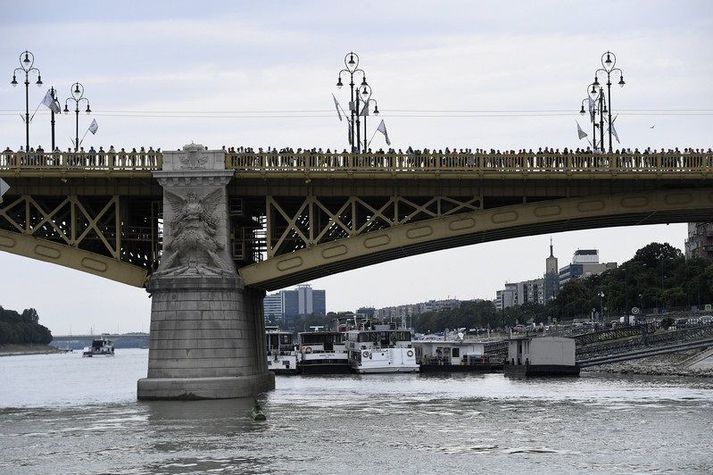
685, 363
15, 350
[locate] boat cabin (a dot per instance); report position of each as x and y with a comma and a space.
279, 342
367, 339
320, 342
453, 352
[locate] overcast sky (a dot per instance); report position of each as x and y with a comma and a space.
235, 73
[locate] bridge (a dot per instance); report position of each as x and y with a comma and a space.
208, 232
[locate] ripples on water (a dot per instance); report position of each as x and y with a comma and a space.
66, 414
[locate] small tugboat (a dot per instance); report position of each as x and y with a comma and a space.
381, 350
281, 354
323, 352
100, 347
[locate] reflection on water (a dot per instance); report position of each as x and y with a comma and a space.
62, 414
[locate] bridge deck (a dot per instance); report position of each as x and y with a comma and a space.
377, 165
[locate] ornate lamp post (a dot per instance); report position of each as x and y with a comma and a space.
590, 101
27, 61
53, 93
351, 61
366, 100
608, 67
77, 96
595, 107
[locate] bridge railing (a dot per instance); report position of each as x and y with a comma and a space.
100, 161
315, 162
378, 162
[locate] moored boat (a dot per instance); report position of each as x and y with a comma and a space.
381, 350
322, 352
281, 353
454, 355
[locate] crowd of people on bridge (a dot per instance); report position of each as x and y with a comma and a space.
91, 158
448, 158
543, 158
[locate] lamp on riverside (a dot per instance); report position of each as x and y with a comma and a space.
351, 61
27, 61
77, 96
366, 100
608, 67
601, 305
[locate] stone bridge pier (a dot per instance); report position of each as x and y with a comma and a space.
207, 328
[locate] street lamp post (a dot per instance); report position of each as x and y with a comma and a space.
351, 61
592, 101
77, 96
53, 93
27, 61
601, 305
366, 100
608, 61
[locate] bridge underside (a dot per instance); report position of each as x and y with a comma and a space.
72, 257
625, 209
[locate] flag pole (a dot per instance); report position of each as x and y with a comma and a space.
372, 137
85, 134
36, 109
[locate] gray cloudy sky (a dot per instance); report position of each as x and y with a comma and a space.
194, 73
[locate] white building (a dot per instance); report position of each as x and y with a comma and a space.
585, 263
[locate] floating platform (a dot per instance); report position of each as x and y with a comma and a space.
525, 371
476, 368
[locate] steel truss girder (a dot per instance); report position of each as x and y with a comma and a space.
300, 223
483, 225
79, 230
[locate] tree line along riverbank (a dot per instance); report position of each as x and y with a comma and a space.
21, 333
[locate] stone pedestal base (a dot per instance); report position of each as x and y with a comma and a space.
206, 340
204, 388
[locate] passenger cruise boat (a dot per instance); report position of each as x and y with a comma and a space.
281, 354
381, 350
99, 347
323, 352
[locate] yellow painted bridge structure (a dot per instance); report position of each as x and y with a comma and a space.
300, 216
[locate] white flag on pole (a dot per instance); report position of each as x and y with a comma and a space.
365, 110
93, 127
382, 128
613, 130
50, 102
592, 110
581, 133
336, 104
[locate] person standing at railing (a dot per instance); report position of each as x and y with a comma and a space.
7, 158
101, 157
150, 157
92, 157
132, 157
41, 160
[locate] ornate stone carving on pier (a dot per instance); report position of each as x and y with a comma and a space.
193, 247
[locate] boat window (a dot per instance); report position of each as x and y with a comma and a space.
403, 336
456, 352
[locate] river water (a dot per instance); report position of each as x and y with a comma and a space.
66, 414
